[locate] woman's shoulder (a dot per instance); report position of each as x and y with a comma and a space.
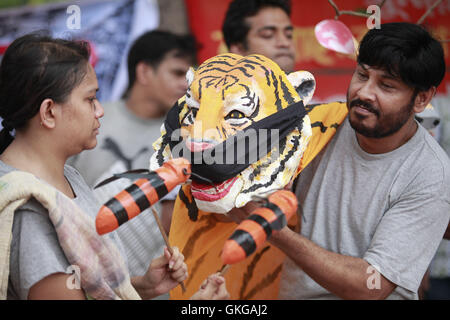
75, 179
32, 205
5, 168
71, 173
84, 194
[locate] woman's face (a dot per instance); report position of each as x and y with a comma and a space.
81, 114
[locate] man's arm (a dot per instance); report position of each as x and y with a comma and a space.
346, 277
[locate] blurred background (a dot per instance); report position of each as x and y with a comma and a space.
111, 25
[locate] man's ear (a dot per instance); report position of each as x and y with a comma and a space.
423, 98
238, 48
143, 73
47, 113
190, 75
304, 83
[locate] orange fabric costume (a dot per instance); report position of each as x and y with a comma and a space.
200, 236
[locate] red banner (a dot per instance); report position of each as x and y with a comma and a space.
332, 70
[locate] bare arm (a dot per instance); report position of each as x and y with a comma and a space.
345, 276
54, 287
447, 232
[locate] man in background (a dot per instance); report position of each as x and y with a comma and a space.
261, 27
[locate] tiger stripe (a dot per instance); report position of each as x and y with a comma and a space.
255, 230
136, 198
262, 222
140, 195
280, 221
279, 170
263, 284
251, 272
117, 210
287, 95
125, 205
276, 92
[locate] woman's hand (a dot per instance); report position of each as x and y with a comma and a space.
213, 288
163, 274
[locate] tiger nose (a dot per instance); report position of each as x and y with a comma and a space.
205, 132
195, 145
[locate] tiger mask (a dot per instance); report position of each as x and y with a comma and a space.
228, 94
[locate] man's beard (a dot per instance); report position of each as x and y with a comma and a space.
386, 125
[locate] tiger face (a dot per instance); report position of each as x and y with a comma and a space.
227, 94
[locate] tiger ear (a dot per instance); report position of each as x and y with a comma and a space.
304, 83
190, 75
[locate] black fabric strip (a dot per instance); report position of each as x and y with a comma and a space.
159, 186
119, 211
238, 147
263, 222
245, 240
280, 222
139, 196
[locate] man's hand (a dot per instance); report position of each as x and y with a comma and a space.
240, 214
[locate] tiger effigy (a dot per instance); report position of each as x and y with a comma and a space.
247, 129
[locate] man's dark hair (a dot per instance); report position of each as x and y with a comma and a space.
406, 51
234, 27
152, 47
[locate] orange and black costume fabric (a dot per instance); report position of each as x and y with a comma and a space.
200, 236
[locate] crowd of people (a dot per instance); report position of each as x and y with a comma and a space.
376, 200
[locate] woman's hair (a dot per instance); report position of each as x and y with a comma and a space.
36, 67
407, 51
